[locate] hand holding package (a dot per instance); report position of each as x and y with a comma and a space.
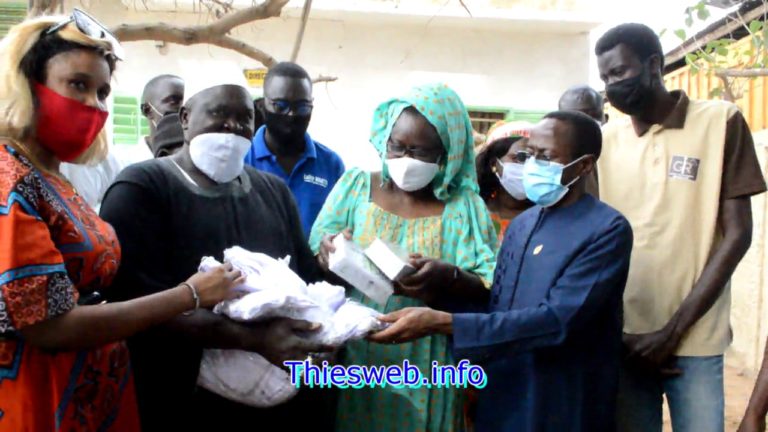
273, 290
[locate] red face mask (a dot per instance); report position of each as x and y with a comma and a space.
66, 127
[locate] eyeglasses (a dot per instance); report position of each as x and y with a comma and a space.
92, 28
282, 106
425, 154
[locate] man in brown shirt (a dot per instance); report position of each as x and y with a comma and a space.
682, 172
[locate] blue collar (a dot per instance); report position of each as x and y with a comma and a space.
261, 151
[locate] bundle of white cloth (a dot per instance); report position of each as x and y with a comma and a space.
272, 290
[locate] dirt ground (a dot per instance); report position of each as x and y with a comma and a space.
738, 387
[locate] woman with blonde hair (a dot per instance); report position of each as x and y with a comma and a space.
62, 363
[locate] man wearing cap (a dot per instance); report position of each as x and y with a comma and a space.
170, 212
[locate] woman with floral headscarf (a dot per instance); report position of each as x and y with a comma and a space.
500, 173
425, 200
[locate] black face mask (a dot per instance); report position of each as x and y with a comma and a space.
286, 129
168, 137
632, 95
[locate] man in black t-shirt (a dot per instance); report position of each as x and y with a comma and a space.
169, 213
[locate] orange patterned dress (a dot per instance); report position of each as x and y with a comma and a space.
54, 248
501, 225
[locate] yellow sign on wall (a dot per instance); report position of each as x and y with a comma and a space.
255, 77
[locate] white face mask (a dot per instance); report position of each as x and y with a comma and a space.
511, 179
220, 156
411, 174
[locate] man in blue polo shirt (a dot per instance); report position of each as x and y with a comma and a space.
284, 148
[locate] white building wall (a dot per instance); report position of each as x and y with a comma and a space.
376, 57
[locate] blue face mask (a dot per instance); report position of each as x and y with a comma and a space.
543, 181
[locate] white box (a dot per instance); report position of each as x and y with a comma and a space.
350, 263
390, 259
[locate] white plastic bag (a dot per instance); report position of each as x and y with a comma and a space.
245, 377
272, 289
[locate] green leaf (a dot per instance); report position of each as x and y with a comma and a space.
689, 21
755, 26
703, 12
716, 92
765, 33
681, 34
721, 50
749, 53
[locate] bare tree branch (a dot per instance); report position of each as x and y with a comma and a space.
161, 32
324, 78
741, 73
215, 33
268, 9
226, 6
728, 89
465, 7
302, 27
189, 36
244, 49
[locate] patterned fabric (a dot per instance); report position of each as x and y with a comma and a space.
446, 112
503, 129
53, 248
462, 236
500, 224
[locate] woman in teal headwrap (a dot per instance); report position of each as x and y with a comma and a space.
425, 200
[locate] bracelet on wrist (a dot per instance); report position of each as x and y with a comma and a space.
195, 297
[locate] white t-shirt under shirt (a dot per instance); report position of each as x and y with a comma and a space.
92, 182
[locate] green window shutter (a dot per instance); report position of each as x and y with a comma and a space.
11, 14
529, 116
483, 118
127, 122
143, 124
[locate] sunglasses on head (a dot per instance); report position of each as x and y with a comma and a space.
91, 28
